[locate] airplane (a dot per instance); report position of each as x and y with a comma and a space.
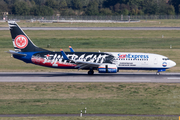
103, 62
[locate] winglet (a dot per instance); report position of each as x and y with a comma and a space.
64, 55
71, 49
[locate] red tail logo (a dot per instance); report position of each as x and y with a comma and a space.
21, 41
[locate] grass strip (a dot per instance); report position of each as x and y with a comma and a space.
99, 98
90, 118
142, 23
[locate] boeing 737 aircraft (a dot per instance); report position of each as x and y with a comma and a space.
103, 62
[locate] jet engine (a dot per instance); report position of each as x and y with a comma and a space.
107, 68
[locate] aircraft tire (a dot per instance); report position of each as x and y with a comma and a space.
91, 72
158, 73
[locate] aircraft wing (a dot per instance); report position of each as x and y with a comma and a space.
80, 64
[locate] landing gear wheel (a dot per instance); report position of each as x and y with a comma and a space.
158, 73
91, 72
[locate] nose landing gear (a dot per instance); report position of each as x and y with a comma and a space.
158, 73
160, 70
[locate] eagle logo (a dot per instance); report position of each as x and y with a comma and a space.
21, 41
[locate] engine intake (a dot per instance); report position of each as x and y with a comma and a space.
107, 68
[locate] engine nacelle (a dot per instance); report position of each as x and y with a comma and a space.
107, 68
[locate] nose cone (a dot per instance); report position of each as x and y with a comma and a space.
172, 63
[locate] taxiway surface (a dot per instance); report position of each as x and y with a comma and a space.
83, 77
96, 28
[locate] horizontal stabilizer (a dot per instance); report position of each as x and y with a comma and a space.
16, 53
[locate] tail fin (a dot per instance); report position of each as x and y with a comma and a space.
21, 41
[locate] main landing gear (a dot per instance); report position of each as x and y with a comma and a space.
90, 72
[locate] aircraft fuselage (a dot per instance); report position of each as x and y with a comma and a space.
138, 61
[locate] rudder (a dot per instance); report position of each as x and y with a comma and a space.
21, 41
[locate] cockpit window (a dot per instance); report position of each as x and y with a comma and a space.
165, 59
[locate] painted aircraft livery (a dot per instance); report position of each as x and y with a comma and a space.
103, 62
21, 41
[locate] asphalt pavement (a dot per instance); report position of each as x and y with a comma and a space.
96, 28
83, 77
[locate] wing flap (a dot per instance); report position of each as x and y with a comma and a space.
82, 64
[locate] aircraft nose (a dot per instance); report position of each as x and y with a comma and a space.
172, 63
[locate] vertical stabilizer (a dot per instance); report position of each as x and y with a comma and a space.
21, 41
